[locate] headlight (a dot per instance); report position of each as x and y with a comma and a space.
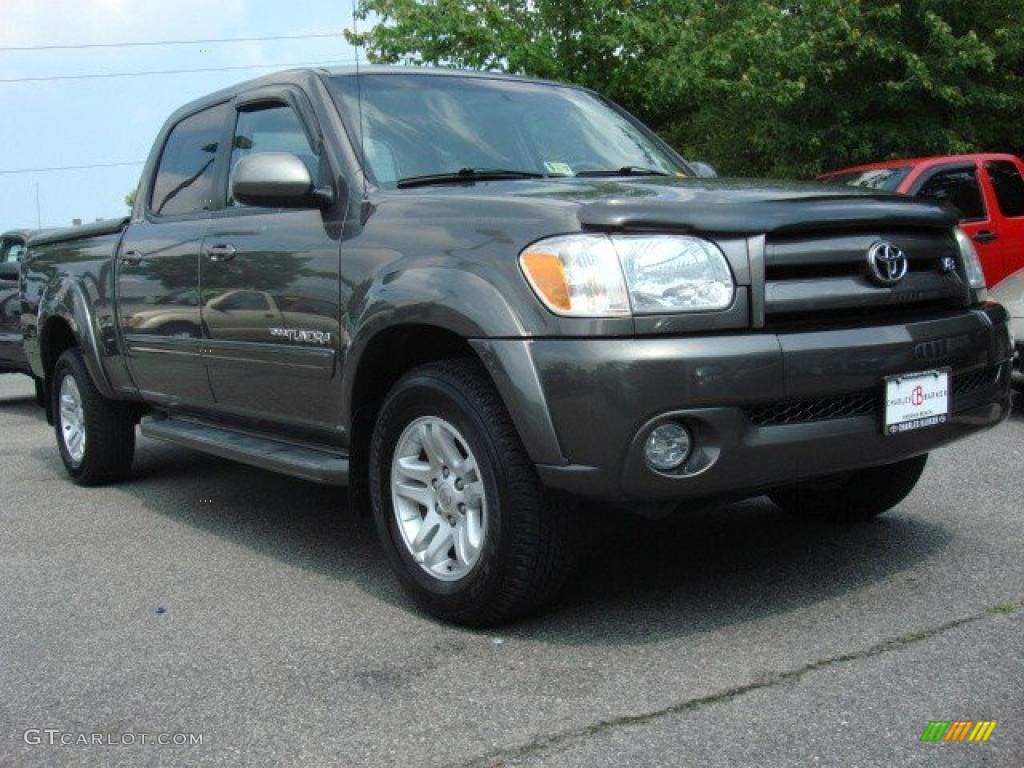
972, 264
616, 275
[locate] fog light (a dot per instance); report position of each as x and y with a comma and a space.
667, 446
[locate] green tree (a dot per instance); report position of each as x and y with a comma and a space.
755, 87
129, 199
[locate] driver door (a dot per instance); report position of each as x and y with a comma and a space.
270, 283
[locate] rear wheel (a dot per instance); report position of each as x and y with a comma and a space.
96, 436
465, 523
853, 497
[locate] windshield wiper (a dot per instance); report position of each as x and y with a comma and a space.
627, 170
466, 174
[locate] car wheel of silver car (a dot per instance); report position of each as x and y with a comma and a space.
853, 496
465, 523
96, 436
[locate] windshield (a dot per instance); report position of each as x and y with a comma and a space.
887, 179
420, 125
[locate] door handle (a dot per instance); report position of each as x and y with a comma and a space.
131, 258
986, 236
221, 252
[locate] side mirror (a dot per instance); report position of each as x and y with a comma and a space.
10, 271
276, 180
703, 170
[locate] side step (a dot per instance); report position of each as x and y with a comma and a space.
307, 463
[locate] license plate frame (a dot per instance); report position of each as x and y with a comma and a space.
916, 400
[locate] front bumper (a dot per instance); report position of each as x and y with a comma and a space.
765, 409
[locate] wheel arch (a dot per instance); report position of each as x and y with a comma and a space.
443, 307
66, 323
379, 361
374, 364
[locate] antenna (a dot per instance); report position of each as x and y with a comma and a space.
39, 212
359, 96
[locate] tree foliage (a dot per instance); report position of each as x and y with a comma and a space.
755, 87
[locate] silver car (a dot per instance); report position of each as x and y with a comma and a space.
1010, 293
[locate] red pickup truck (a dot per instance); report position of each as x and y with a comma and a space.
987, 190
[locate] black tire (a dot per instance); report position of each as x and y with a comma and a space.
529, 546
855, 497
109, 427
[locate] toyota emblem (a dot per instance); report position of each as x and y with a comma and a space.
887, 263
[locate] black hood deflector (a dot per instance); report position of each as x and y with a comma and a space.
795, 215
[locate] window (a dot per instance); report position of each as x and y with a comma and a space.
958, 187
185, 179
239, 301
1009, 187
11, 250
272, 128
887, 179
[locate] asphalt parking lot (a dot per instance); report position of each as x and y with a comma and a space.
209, 598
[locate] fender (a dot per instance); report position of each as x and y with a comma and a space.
68, 302
423, 296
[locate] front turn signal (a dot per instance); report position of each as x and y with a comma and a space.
547, 276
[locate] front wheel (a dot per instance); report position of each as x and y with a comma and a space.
96, 436
459, 510
853, 497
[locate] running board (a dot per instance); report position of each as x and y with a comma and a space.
320, 466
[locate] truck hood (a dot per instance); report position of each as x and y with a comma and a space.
727, 206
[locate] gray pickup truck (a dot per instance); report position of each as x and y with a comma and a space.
487, 303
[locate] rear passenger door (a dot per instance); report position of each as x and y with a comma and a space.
270, 282
158, 264
1004, 179
959, 186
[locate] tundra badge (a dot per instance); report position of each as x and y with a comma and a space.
298, 334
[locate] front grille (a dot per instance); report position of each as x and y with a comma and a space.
822, 409
824, 278
864, 403
967, 383
868, 317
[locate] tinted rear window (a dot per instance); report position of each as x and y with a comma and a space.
185, 179
1009, 186
959, 188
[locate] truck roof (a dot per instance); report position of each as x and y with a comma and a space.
25, 234
918, 161
384, 69
303, 75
